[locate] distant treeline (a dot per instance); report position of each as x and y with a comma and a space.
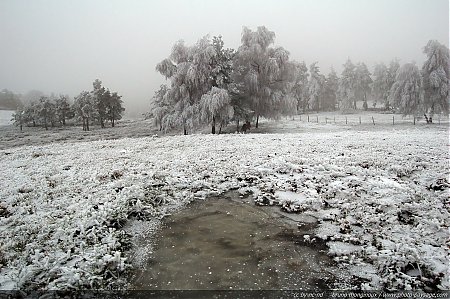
99, 106
211, 85
9, 100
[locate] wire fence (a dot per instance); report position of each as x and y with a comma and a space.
372, 119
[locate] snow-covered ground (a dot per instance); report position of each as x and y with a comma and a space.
5, 117
381, 198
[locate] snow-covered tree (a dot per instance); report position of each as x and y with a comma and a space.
394, 66
160, 105
436, 78
114, 108
299, 84
62, 107
215, 107
262, 72
363, 82
46, 112
315, 87
19, 118
192, 72
406, 92
381, 85
84, 107
347, 84
31, 113
100, 99
330, 91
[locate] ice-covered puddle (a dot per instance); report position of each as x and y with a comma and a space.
228, 243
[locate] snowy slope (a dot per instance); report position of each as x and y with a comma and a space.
381, 199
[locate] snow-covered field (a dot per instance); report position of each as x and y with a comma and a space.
381, 198
5, 117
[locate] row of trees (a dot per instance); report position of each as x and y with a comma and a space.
99, 105
209, 84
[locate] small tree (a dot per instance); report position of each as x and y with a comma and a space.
19, 118
215, 107
347, 85
330, 91
394, 65
381, 85
100, 98
84, 107
114, 109
406, 93
46, 112
362, 83
62, 108
315, 87
436, 78
298, 81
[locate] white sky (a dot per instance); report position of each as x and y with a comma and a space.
61, 46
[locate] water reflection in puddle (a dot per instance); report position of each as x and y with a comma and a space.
225, 244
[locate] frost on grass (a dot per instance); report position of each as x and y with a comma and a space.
381, 199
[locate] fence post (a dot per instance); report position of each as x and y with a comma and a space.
317, 119
300, 117
393, 120
346, 120
373, 120
414, 120
308, 117
360, 120
326, 120
439, 119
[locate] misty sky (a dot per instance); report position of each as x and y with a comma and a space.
61, 46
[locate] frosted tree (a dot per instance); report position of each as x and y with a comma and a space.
406, 92
62, 107
315, 87
19, 118
84, 107
381, 84
100, 99
261, 72
192, 72
299, 84
215, 107
347, 84
436, 79
31, 113
160, 105
363, 83
46, 112
394, 66
114, 107
330, 91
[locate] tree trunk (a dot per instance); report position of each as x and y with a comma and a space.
220, 129
213, 129
20, 127
184, 131
237, 126
87, 123
257, 121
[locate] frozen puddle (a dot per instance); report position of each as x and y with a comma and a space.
230, 244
